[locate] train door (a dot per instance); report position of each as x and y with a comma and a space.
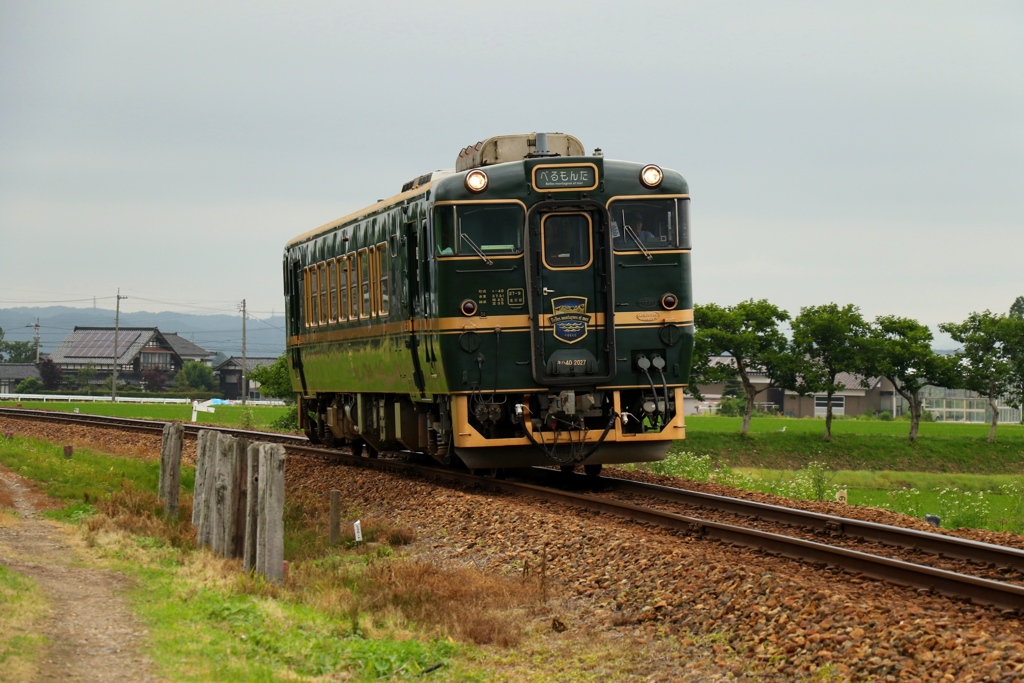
572, 294
415, 297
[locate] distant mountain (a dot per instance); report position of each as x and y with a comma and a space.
213, 332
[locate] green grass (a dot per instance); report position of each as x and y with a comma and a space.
87, 472
212, 634
247, 417
22, 606
857, 445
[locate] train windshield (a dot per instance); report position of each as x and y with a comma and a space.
649, 224
472, 229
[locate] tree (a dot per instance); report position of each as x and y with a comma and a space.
830, 339
275, 380
749, 333
51, 373
988, 359
194, 376
153, 380
85, 376
18, 352
1017, 309
900, 349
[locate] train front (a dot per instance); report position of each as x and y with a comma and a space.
565, 314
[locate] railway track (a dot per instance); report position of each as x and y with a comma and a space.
537, 483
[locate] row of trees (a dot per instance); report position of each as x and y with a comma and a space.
16, 352
829, 340
193, 376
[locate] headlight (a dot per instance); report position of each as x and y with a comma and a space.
476, 181
669, 301
651, 175
468, 307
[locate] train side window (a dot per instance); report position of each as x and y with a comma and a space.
683, 217
307, 296
322, 269
444, 230
644, 223
332, 276
372, 256
353, 288
342, 288
383, 272
314, 297
364, 281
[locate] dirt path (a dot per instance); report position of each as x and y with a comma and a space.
92, 635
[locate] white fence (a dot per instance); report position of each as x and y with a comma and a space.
53, 398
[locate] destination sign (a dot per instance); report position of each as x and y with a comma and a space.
565, 177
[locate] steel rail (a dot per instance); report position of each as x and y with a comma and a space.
937, 544
982, 591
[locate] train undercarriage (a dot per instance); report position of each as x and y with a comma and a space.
500, 430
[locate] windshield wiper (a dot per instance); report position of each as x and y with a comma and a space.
478, 250
632, 236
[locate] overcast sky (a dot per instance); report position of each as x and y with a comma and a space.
860, 152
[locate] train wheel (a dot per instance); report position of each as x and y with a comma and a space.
371, 452
567, 469
313, 437
357, 447
592, 470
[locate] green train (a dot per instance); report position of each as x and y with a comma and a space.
531, 307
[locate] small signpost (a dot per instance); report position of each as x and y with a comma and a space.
357, 529
204, 407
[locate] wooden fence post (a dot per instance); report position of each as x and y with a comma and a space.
251, 506
270, 528
335, 517
199, 491
170, 468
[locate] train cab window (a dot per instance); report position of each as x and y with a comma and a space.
342, 288
567, 240
479, 229
322, 270
364, 280
383, 270
332, 276
645, 225
444, 230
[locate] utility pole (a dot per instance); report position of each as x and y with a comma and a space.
245, 378
117, 329
36, 325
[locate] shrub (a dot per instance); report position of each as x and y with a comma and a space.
732, 407
685, 465
29, 386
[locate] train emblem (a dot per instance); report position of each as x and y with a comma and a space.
569, 318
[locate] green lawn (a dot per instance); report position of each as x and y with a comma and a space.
248, 417
786, 443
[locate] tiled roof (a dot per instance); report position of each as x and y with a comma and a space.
96, 345
251, 362
185, 348
19, 371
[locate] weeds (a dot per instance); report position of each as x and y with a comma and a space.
907, 502
962, 508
